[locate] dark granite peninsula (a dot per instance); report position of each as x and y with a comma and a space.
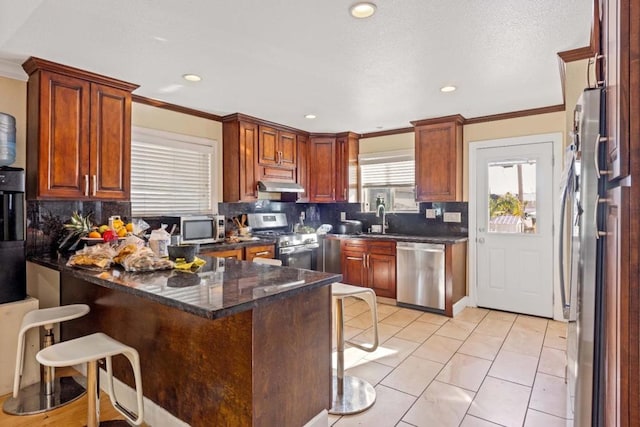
237, 344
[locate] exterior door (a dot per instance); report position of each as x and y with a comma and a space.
514, 209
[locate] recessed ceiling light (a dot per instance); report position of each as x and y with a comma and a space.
447, 89
160, 39
192, 77
362, 10
309, 116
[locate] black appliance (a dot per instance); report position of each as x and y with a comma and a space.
349, 226
13, 282
297, 250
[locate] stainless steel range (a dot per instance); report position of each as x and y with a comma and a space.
298, 250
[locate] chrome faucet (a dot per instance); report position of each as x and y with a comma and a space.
384, 222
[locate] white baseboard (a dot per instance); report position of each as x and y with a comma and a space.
460, 305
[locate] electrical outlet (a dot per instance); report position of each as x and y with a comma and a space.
452, 217
343, 216
430, 214
302, 215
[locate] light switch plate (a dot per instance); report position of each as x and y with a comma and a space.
452, 217
343, 216
430, 213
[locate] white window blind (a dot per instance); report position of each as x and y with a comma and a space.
387, 169
170, 173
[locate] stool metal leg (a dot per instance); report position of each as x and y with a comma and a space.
350, 394
50, 393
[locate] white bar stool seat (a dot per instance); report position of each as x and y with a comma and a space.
89, 349
50, 392
352, 394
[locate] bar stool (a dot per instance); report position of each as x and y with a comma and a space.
89, 349
50, 392
352, 394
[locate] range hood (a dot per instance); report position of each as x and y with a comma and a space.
279, 187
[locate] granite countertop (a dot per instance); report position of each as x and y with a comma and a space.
444, 239
220, 288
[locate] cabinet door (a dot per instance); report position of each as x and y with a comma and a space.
381, 274
268, 146
615, 34
63, 139
438, 162
322, 176
230, 253
263, 251
287, 148
303, 166
616, 296
342, 173
110, 157
353, 268
248, 142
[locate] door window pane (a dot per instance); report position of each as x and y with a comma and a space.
512, 196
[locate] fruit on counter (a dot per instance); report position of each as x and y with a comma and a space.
95, 235
109, 235
121, 232
79, 225
102, 229
129, 227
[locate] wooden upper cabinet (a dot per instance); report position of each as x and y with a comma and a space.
240, 143
438, 154
79, 134
255, 150
110, 157
334, 168
322, 174
302, 168
276, 154
618, 56
288, 149
268, 150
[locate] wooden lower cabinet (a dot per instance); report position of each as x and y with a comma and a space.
371, 264
247, 253
266, 251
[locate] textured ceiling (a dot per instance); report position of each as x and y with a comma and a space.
281, 59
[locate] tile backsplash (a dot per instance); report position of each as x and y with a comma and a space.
45, 220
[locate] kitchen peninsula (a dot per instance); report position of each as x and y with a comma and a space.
235, 344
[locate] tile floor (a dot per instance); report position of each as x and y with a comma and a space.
481, 369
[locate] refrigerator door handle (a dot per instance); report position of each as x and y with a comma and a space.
566, 306
599, 172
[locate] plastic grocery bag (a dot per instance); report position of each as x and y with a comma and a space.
159, 240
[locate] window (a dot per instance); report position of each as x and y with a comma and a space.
391, 176
171, 173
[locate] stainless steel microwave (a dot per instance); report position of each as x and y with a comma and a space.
202, 228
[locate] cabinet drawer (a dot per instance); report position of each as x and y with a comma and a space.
264, 251
230, 253
353, 244
383, 247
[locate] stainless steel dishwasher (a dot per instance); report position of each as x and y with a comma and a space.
420, 275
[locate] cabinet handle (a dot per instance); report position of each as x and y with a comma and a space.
95, 184
599, 172
86, 185
261, 253
595, 216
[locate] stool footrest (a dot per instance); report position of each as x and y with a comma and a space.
357, 396
33, 400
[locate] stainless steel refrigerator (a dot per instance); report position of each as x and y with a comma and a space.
581, 260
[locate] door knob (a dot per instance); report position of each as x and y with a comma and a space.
481, 240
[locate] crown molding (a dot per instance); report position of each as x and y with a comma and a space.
12, 71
